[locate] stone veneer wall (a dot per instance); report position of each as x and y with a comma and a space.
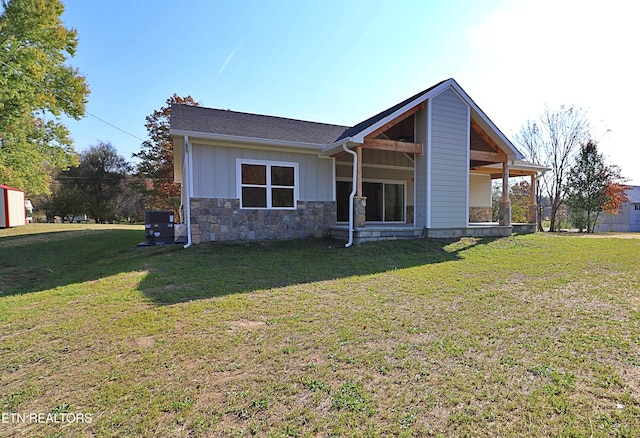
214, 219
480, 214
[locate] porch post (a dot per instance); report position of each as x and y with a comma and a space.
533, 208
505, 203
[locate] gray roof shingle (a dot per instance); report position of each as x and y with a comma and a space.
226, 122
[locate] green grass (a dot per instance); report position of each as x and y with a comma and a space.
535, 335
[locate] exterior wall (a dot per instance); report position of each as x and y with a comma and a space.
480, 190
480, 198
214, 171
450, 161
222, 219
627, 220
12, 209
421, 168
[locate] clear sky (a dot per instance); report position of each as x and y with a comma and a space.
344, 61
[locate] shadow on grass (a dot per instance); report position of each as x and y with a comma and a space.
32, 263
35, 262
211, 270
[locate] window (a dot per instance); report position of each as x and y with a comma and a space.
267, 184
636, 207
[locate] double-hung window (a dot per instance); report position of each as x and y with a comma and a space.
267, 184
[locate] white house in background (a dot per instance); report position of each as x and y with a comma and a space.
12, 210
628, 219
28, 206
422, 168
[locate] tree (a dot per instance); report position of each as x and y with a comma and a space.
519, 194
586, 187
553, 140
156, 157
100, 177
36, 88
616, 192
593, 187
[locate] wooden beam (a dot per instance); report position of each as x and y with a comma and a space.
392, 145
492, 157
395, 121
478, 130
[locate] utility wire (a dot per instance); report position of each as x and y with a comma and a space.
68, 102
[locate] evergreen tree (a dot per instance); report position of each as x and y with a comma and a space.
587, 186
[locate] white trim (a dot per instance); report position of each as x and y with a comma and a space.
334, 175
468, 160
428, 170
187, 165
268, 164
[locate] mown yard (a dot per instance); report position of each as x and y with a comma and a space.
534, 335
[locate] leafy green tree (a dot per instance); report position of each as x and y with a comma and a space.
156, 158
36, 88
100, 177
520, 197
587, 187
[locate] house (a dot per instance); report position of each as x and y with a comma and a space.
12, 207
628, 219
422, 168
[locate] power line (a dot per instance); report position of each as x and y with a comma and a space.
68, 102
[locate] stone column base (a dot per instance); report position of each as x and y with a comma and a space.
505, 214
359, 211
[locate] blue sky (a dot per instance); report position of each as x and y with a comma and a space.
343, 61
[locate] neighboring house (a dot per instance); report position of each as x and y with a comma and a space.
12, 208
420, 168
628, 219
28, 206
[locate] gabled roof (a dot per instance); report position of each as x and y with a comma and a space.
238, 126
361, 130
634, 194
373, 121
232, 124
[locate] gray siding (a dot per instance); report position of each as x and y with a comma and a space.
450, 161
422, 167
214, 171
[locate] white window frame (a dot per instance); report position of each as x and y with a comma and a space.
269, 164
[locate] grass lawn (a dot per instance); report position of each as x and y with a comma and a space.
535, 335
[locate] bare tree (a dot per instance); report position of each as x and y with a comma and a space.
553, 141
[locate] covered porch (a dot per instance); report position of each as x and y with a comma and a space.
383, 171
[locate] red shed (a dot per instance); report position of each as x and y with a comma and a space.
12, 211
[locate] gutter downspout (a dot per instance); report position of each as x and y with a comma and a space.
186, 181
353, 192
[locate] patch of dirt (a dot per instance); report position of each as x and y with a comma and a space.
142, 342
244, 324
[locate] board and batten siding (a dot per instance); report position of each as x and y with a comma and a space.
449, 161
421, 168
214, 171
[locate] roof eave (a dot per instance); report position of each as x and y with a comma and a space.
248, 140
